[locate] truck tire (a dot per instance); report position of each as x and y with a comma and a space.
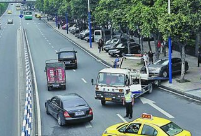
103, 102
150, 87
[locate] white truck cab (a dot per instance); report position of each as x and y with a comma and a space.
111, 84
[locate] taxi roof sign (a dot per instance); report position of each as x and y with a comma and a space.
146, 116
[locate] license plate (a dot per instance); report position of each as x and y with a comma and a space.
67, 62
79, 113
55, 85
108, 99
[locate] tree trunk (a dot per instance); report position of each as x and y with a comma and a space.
183, 63
197, 44
128, 41
156, 47
141, 44
149, 44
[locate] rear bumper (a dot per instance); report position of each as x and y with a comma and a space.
109, 96
71, 65
80, 119
56, 85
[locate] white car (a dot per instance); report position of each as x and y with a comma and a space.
10, 21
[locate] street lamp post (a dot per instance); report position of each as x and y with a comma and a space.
170, 50
67, 23
89, 19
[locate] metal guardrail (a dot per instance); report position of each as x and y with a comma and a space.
28, 111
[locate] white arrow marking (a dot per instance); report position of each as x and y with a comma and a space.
84, 80
151, 103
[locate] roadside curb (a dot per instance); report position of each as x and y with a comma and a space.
90, 53
189, 96
186, 95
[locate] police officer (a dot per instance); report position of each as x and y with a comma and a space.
128, 101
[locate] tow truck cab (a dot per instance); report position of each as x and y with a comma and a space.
111, 84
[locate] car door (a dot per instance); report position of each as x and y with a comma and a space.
176, 65
148, 130
54, 106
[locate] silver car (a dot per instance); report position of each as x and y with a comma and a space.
10, 21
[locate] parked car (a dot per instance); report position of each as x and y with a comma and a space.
161, 67
49, 17
87, 38
122, 49
70, 108
68, 57
111, 44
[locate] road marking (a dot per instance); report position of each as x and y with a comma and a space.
179, 94
52, 46
151, 103
74, 70
27, 23
55, 50
84, 80
49, 43
47, 40
88, 125
121, 118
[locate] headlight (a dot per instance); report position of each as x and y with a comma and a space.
158, 70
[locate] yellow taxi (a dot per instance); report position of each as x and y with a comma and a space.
9, 11
38, 15
147, 125
18, 8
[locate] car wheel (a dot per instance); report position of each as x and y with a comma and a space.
164, 74
157, 82
49, 88
122, 54
150, 87
139, 51
46, 109
59, 120
103, 102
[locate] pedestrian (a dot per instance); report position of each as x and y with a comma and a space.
100, 45
199, 56
58, 24
151, 55
116, 62
128, 101
146, 59
159, 46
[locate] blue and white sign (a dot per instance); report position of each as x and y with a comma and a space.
21, 16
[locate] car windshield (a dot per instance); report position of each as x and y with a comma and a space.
111, 79
67, 55
161, 62
28, 13
171, 129
120, 45
74, 102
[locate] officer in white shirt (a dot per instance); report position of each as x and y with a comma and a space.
128, 101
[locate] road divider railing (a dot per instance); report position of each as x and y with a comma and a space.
27, 127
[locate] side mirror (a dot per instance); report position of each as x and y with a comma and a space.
92, 81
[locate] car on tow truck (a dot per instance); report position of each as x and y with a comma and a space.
146, 125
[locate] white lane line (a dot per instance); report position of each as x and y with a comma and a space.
47, 40
121, 118
74, 70
88, 125
49, 43
84, 80
55, 50
52, 46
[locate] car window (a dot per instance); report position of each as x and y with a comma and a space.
74, 102
120, 45
171, 129
148, 130
122, 128
162, 62
133, 128
176, 60
56, 101
67, 55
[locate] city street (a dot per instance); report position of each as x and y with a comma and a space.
44, 43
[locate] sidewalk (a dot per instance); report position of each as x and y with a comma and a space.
190, 89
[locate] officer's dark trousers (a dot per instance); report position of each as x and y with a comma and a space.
129, 109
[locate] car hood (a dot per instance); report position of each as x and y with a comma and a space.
113, 50
155, 66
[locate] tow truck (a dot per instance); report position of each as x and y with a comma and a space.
111, 83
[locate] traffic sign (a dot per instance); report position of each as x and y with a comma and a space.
21, 16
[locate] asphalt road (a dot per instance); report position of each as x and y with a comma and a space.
8, 79
44, 43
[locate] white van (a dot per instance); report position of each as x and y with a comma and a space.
98, 34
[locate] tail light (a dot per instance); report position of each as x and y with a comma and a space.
66, 115
90, 112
